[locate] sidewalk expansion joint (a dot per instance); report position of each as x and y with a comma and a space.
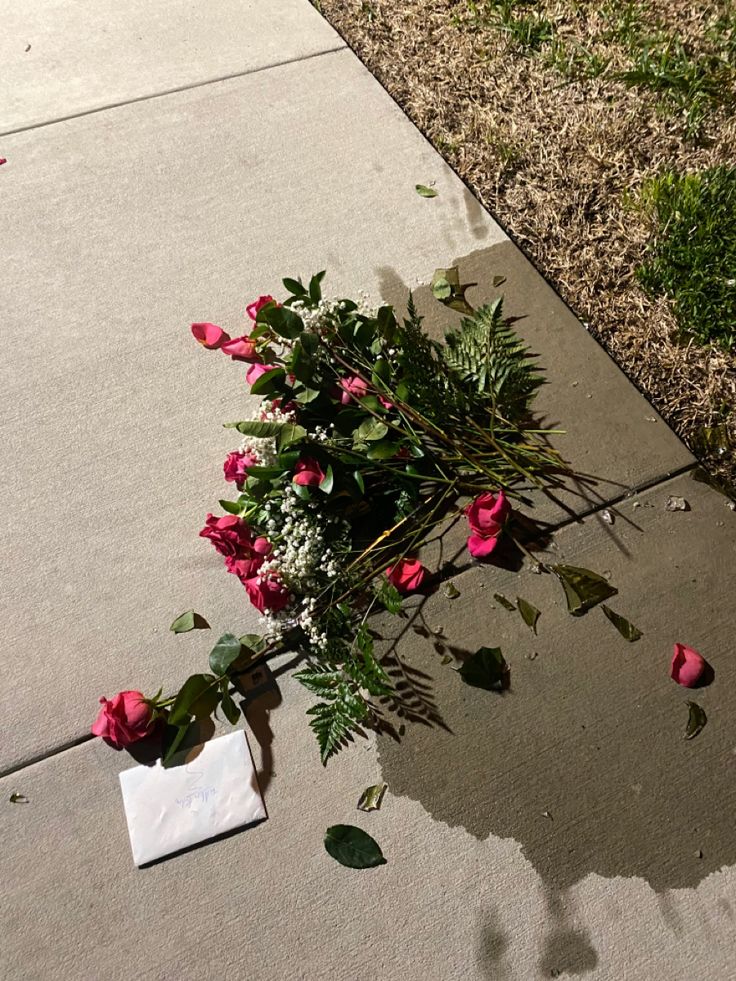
172, 91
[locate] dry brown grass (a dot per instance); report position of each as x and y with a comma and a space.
559, 163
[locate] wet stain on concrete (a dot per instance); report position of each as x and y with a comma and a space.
583, 761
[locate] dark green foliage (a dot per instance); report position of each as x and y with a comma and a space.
692, 255
487, 352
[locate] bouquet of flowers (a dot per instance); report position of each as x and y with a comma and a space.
368, 437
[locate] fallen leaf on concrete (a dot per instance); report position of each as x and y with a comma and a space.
425, 192
676, 504
506, 604
696, 720
627, 629
529, 614
447, 659
583, 589
372, 797
353, 847
447, 289
486, 669
450, 590
189, 621
16, 798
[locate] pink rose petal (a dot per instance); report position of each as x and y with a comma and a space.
687, 666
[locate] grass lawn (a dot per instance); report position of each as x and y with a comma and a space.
602, 135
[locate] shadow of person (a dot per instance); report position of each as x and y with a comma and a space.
261, 695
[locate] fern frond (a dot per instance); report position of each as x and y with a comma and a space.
334, 722
487, 355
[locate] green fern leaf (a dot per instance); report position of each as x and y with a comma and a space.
489, 357
334, 722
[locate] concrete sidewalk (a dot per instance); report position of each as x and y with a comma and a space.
167, 165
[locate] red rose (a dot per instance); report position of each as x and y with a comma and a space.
240, 349
687, 666
253, 308
229, 534
236, 467
210, 335
407, 575
486, 516
266, 594
308, 472
246, 564
352, 387
124, 719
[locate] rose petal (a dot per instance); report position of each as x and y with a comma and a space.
209, 335
687, 666
480, 547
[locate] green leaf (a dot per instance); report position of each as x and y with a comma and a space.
506, 604
224, 654
383, 450
450, 590
281, 319
328, 481
197, 697
229, 708
353, 847
172, 738
315, 288
253, 642
441, 289
627, 630
696, 720
291, 433
583, 589
389, 596
358, 476
372, 797
335, 721
529, 614
310, 342
268, 382
487, 669
371, 429
446, 288
295, 286
189, 621
491, 359
252, 427
425, 192
232, 507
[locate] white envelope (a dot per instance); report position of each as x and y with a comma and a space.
213, 790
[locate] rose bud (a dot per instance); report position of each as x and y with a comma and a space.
352, 387
210, 335
236, 466
408, 575
124, 719
266, 594
687, 666
253, 308
308, 472
486, 516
